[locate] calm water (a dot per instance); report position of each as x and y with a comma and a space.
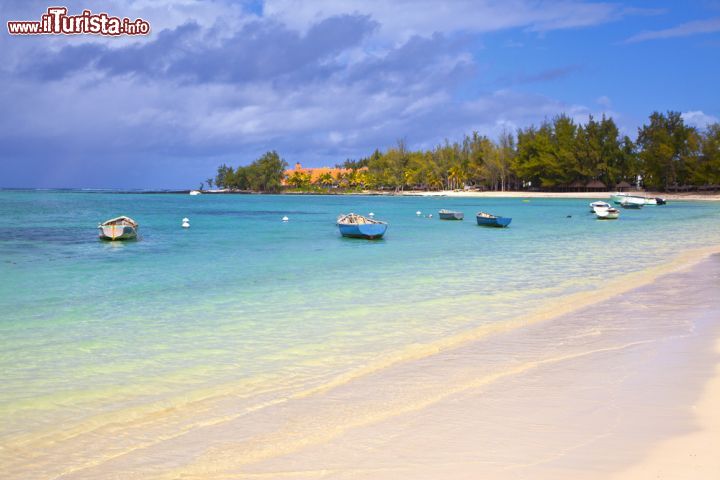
243, 310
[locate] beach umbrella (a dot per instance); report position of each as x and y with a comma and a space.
596, 185
622, 186
577, 185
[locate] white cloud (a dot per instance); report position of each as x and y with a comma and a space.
698, 118
402, 19
114, 111
603, 101
710, 25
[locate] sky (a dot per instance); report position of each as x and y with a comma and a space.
326, 80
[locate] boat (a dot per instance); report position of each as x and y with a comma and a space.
195, 192
608, 213
598, 204
450, 215
655, 201
488, 220
356, 226
618, 197
630, 203
650, 200
119, 228
622, 198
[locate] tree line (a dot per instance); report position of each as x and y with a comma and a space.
265, 174
559, 154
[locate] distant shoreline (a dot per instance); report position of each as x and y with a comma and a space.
693, 196
689, 196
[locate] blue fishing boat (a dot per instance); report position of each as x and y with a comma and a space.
488, 220
356, 226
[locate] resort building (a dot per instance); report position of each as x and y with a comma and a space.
315, 174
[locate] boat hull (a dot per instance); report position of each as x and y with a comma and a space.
370, 231
632, 205
499, 222
621, 199
607, 213
618, 197
117, 232
451, 215
595, 205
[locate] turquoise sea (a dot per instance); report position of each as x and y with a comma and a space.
187, 327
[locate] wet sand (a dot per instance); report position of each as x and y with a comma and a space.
615, 388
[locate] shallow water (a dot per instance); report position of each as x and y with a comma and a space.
152, 339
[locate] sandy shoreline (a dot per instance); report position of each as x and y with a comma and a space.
606, 391
713, 197
691, 455
621, 383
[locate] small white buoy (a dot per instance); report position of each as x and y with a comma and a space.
371, 214
430, 215
285, 219
418, 213
185, 223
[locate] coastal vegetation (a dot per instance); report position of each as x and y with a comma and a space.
559, 154
263, 175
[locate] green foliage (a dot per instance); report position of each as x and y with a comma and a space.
559, 154
707, 168
326, 180
224, 177
356, 164
263, 175
299, 179
669, 150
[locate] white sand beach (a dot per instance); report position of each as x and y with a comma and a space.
691, 196
624, 388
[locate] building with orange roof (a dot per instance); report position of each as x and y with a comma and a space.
316, 173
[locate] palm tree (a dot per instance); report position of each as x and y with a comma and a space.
299, 179
457, 175
326, 180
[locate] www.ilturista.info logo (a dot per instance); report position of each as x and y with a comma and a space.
57, 22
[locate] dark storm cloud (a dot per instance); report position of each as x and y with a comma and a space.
260, 50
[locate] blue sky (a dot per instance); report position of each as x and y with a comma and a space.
322, 81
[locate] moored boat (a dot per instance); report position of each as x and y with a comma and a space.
624, 198
629, 203
598, 204
650, 201
119, 228
450, 215
488, 220
356, 226
608, 213
618, 197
